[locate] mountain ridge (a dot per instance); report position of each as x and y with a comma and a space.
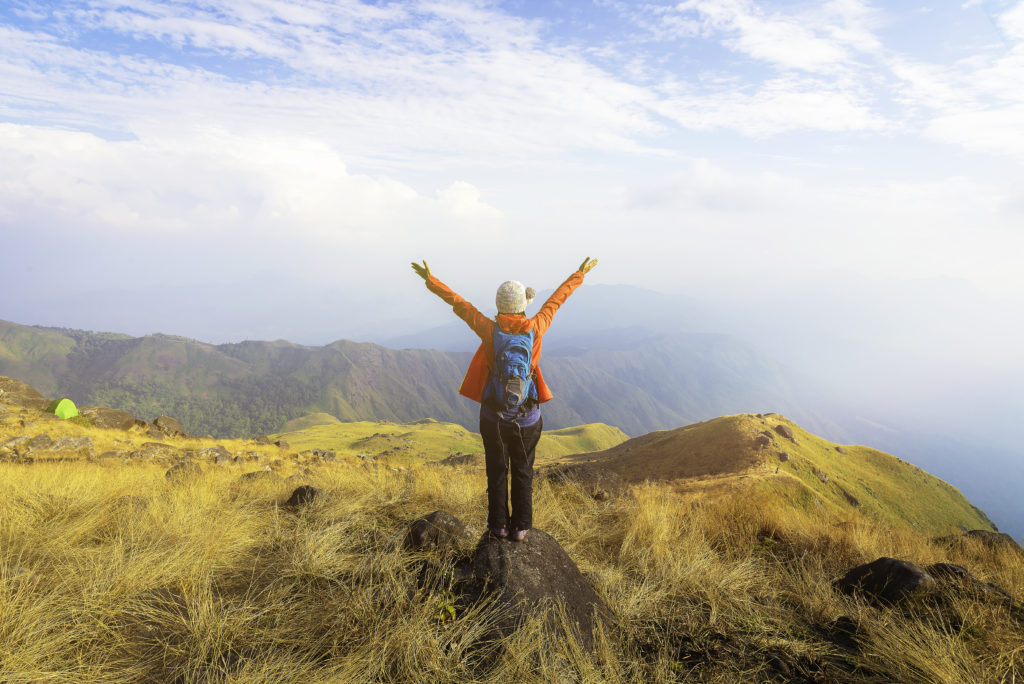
660, 382
254, 387
771, 454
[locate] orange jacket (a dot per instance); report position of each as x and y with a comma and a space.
475, 382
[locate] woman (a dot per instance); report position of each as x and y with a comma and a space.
510, 430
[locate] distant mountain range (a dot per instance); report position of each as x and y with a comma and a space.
252, 388
655, 371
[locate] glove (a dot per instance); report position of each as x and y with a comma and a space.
587, 264
422, 271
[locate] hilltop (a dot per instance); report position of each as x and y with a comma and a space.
771, 454
131, 555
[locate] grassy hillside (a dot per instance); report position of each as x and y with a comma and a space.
428, 440
110, 572
309, 421
806, 470
253, 388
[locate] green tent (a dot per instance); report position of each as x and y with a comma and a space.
63, 408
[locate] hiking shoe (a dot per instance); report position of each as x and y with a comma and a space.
500, 532
518, 534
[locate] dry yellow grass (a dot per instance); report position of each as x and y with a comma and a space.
111, 573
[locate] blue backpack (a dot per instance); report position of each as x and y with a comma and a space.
512, 383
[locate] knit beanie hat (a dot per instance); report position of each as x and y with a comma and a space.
512, 297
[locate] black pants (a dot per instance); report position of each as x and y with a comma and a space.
509, 447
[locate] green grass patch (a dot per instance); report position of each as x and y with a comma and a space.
430, 440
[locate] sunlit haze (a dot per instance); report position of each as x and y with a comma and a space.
841, 181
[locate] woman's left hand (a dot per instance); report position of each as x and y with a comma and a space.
422, 271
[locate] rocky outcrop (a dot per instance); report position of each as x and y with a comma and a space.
460, 459
439, 530
18, 393
531, 576
156, 450
522, 579
886, 580
260, 477
990, 539
107, 418
850, 498
785, 431
994, 539
303, 495
217, 454
71, 446
324, 455
958, 577
169, 426
184, 471
42, 446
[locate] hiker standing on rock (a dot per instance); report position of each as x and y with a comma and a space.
504, 377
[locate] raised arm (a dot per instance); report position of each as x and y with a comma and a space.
558, 297
480, 324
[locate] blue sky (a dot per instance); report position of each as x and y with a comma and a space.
280, 157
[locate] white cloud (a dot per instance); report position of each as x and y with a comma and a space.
822, 40
706, 186
457, 80
976, 102
1012, 22
778, 105
995, 130
217, 184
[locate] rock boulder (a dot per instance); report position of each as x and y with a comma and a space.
81, 447
530, 576
303, 495
169, 426
217, 454
183, 471
38, 442
785, 431
886, 580
107, 418
439, 530
19, 394
993, 540
156, 450
260, 477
